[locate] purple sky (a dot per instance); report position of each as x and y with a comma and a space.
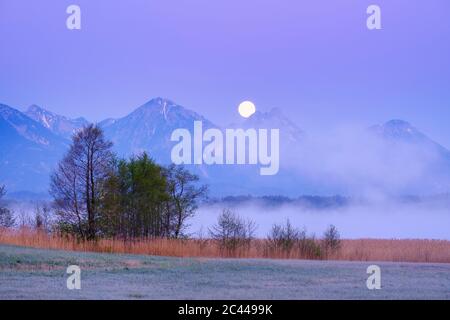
314, 59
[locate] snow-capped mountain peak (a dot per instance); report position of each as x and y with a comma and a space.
59, 125
399, 130
150, 126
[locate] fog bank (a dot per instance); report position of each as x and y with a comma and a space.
376, 220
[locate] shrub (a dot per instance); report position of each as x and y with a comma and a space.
287, 241
309, 247
232, 232
283, 237
331, 241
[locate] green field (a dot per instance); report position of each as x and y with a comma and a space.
27, 273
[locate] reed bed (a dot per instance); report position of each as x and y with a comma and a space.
408, 250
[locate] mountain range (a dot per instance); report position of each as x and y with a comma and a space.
33, 141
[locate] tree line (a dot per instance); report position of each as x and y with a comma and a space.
96, 194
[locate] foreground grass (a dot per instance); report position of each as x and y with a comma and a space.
28, 273
437, 251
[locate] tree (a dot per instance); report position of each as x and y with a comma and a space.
232, 232
143, 199
289, 240
284, 237
135, 197
331, 239
77, 185
184, 192
6, 216
43, 217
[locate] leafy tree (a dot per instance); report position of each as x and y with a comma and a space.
77, 185
143, 199
112, 218
135, 199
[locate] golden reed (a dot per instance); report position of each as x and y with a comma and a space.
351, 250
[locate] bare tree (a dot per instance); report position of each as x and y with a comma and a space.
284, 237
77, 184
232, 232
6, 216
331, 240
184, 192
43, 217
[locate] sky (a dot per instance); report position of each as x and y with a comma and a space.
314, 59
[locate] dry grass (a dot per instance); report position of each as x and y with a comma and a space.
351, 250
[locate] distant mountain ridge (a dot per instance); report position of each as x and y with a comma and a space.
29, 151
58, 124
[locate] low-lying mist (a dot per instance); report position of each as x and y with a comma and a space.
428, 218
382, 219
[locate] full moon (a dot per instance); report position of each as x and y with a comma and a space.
246, 109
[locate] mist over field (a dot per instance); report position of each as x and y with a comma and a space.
381, 219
